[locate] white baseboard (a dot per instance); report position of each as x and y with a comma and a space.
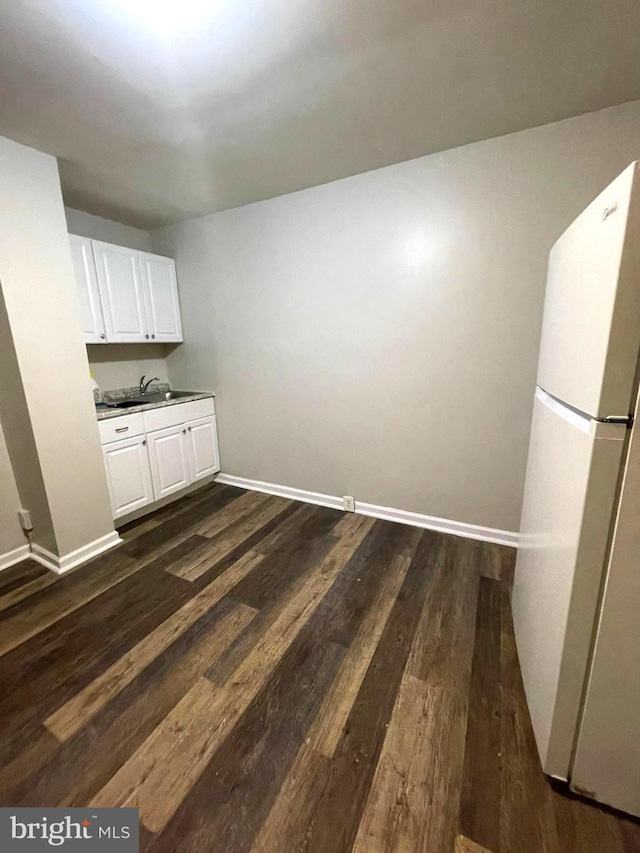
442, 525
416, 519
281, 491
15, 556
60, 565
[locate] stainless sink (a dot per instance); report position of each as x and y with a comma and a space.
123, 404
167, 395
146, 399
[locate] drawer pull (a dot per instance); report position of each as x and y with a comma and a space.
122, 429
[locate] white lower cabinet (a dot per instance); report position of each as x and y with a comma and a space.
169, 460
203, 448
128, 475
168, 449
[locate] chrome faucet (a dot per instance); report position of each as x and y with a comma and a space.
144, 386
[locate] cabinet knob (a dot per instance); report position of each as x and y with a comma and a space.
144, 442
153, 336
102, 335
147, 337
184, 431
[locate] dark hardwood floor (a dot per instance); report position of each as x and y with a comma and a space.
258, 675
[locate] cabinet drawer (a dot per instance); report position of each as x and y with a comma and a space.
125, 426
175, 415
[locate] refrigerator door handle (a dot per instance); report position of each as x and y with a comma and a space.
617, 419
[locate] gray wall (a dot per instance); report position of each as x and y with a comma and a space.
378, 336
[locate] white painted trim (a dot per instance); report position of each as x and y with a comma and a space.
281, 491
60, 565
416, 519
15, 556
442, 525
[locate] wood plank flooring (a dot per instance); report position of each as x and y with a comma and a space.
258, 675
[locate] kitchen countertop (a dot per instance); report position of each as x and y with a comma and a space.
104, 412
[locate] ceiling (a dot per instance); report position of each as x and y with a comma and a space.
159, 119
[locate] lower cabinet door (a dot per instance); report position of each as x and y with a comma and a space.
169, 460
203, 447
128, 475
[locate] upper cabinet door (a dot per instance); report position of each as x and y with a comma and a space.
87, 289
161, 297
121, 292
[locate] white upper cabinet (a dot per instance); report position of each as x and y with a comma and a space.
161, 297
126, 296
121, 291
87, 289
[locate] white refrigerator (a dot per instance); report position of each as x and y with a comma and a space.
576, 595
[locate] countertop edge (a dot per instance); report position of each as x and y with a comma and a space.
107, 414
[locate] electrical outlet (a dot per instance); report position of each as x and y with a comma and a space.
349, 503
25, 520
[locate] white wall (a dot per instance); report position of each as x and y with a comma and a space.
96, 228
122, 365
378, 336
11, 535
48, 416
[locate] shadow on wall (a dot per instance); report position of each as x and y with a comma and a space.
122, 365
110, 353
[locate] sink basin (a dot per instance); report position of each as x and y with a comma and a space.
167, 395
146, 399
124, 404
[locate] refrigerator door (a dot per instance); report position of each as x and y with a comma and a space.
607, 761
591, 325
572, 474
